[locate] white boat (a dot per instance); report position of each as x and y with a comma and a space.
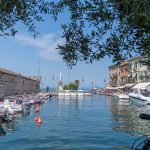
140, 94
73, 93
60, 94
80, 93
7, 105
12, 107
2, 108
17, 108
87, 94
118, 95
65, 93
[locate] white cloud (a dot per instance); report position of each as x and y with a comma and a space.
46, 45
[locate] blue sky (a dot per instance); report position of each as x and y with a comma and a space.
23, 53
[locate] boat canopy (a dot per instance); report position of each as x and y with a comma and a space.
80, 90
121, 87
111, 88
67, 90
129, 75
129, 85
142, 85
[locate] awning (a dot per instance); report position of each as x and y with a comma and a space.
111, 88
142, 85
129, 75
121, 87
129, 85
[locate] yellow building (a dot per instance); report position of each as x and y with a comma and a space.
124, 73
128, 73
114, 75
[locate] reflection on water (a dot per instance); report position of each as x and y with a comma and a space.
2, 132
9, 126
97, 122
6, 127
125, 117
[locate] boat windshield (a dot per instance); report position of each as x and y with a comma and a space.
145, 92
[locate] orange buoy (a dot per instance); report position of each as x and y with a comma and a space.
39, 120
35, 119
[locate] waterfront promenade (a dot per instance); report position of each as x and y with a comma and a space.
97, 122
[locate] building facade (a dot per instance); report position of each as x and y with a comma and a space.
114, 75
14, 83
138, 71
128, 72
124, 73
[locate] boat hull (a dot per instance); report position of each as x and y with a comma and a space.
120, 96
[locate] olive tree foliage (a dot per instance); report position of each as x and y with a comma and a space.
119, 29
27, 12
71, 86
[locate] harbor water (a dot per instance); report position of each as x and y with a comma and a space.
90, 123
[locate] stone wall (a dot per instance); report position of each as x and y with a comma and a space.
18, 84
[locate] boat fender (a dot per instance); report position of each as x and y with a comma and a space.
145, 116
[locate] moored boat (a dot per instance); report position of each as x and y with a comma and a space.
140, 94
119, 95
12, 107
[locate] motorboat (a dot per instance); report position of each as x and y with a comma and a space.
65, 93
23, 102
140, 94
17, 108
72, 93
80, 93
7, 105
87, 94
119, 95
12, 107
69, 93
2, 112
61, 94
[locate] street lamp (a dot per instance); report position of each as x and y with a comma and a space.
83, 82
105, 84
92, 87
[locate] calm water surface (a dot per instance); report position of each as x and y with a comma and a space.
94, 123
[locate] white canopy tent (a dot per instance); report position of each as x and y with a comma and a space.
142, 85
121, 87
111, 88
129, 85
